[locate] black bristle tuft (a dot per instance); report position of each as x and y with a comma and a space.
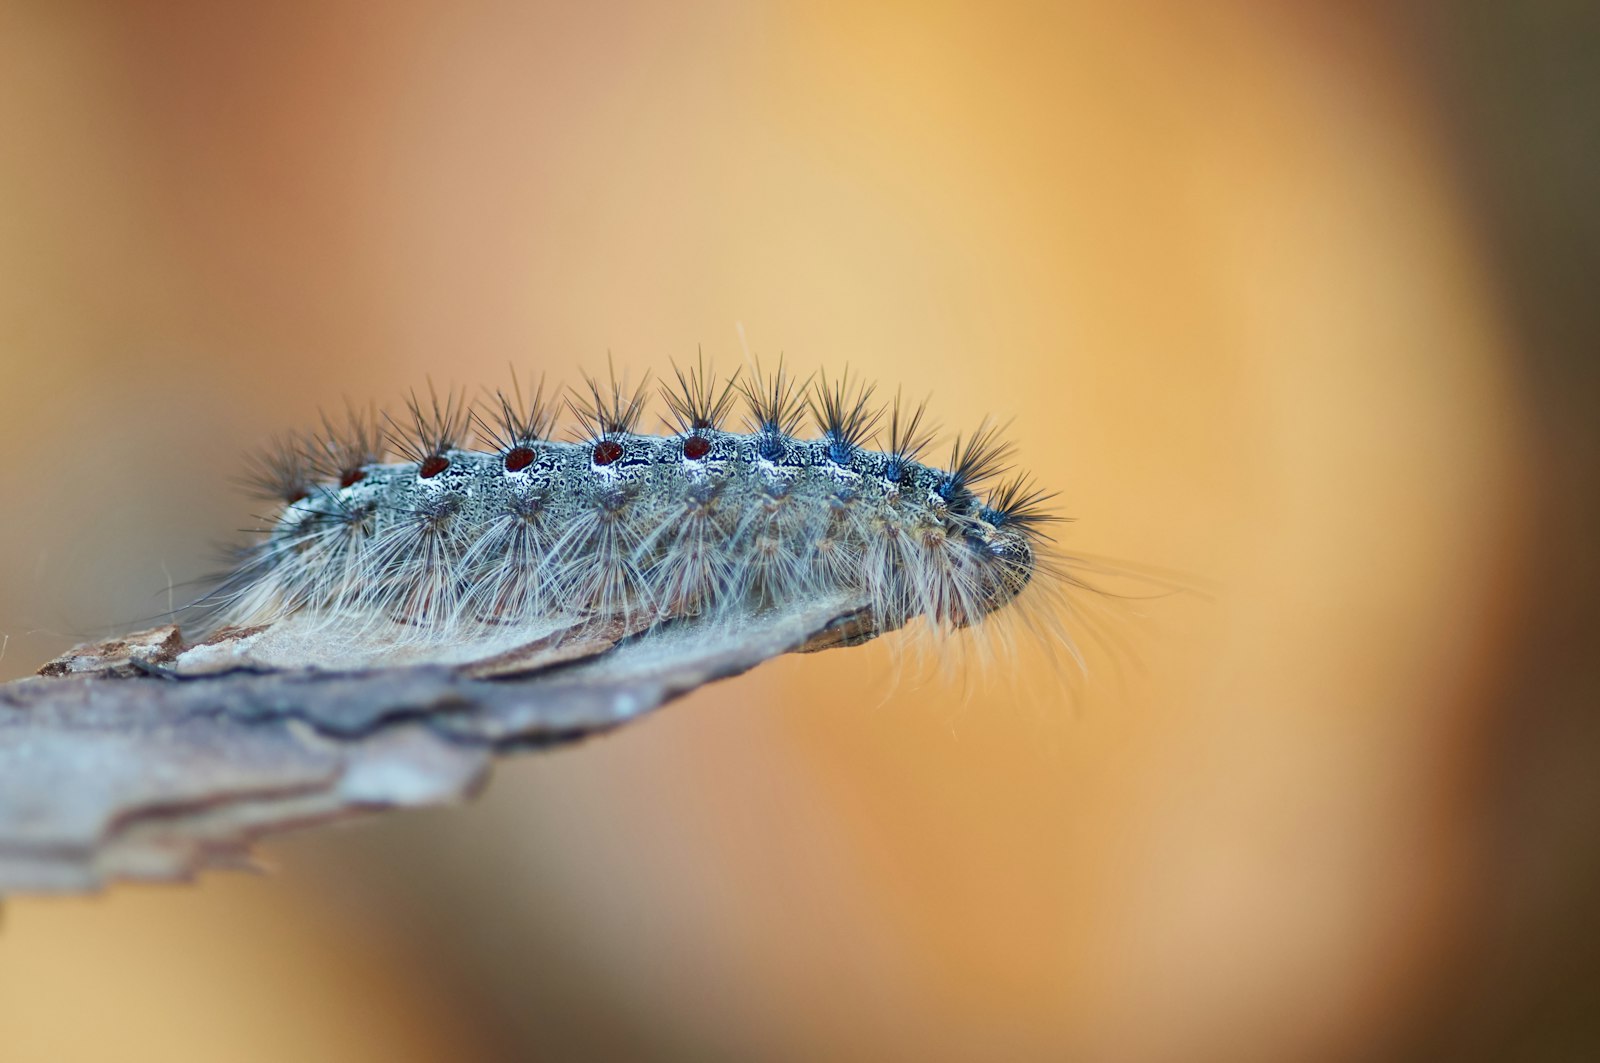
696, 403
1018, 502
981, 456
776, 402
608, 410
281, 471
432, 428
908, 436
340, 452
844, 414
513, 421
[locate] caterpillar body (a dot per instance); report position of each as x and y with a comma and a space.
412, 536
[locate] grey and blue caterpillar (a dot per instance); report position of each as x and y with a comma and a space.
626, 528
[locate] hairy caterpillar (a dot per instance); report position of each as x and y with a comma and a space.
616, 530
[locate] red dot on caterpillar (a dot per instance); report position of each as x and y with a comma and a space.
351, 477
607, 451
433, 466
696, 447
518, 458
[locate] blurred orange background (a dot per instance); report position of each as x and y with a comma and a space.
1229, 266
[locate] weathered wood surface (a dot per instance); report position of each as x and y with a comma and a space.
119, 761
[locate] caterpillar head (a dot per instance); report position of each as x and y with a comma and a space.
1006, 565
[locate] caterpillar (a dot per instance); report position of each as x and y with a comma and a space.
457, 521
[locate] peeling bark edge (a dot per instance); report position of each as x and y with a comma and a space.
111, 769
